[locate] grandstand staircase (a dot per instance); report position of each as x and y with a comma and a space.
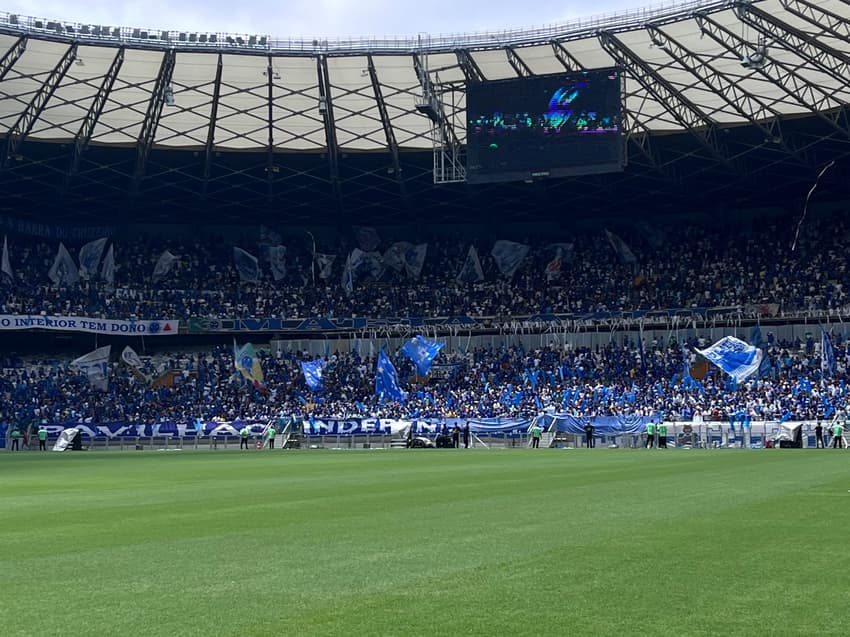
547, 439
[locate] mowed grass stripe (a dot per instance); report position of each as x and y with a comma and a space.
502, 542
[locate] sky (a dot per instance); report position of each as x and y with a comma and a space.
330, 18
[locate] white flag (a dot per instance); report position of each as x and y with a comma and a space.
348, 273
90, 257
5, 265
394, 255
64, 270
163, 266
509, 255
95, 365
471, 271
130, 357
277, 260
624, 252
107, 271
247, 265
325, 263
414, 260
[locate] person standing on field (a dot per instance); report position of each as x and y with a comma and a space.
243, 437
272, 434
466, 435
837, 435
42, 438
588, 435
535, 436
650, 434
818, 436
662, 435
16, 435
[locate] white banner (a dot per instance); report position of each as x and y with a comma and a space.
90, 325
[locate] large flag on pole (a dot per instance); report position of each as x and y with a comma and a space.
735, 357
64, 270
163, 266
509, 255
624, 252
247, 265
827, 353
90, 255
471, 271
325, 263
107, 270
313, 373
247, 364
422, 352
7, 275
95, 365
132, 360
277, 261
386, 379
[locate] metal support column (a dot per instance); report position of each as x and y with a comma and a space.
147, 135
23, 125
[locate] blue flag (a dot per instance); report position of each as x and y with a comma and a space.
734, 357
313, 373
422, 352
827, 354
386, 379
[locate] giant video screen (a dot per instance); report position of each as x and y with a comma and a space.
544, 126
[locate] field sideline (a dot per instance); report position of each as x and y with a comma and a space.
502, 542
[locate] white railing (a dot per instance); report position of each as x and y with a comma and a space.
305, 45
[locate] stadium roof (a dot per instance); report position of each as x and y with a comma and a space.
737, 97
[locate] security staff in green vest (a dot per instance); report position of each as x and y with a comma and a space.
243, 437
16, 437
650, 434
42, 438
535, 436
272, 434
837, 435
662, 435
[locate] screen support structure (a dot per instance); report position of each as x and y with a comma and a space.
442, 103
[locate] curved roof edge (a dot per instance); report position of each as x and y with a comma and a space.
257, 44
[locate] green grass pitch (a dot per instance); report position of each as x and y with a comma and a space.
501, 542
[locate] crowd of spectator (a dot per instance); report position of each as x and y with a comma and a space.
507, 381
679, 266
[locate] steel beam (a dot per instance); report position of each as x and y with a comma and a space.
144, 143
468, 66
810, 96
820, 55
12, 55
688, 114
84, 135
326, 109
209, 147
389, 133
748, 105
27, 119
569, 62
270, 167
825, 20
520, 67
